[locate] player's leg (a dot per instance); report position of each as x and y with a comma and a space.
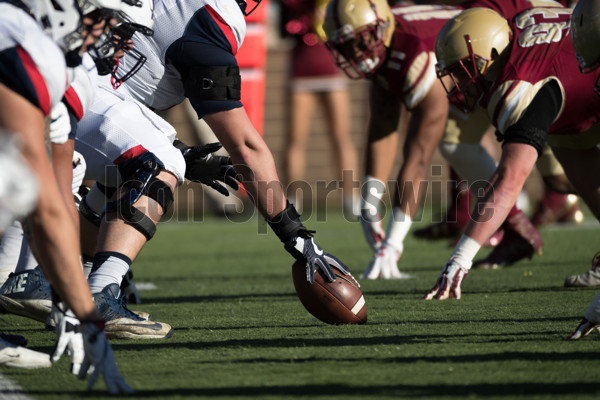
337, 108
27, 292
302, 105
128, 148
559, 203
53, 234
471, 165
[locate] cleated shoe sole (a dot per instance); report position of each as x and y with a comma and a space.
125, 328
36, 309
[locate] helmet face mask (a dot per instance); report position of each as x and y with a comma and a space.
358, 34
114, 43
467, 75
359, 53
471, 48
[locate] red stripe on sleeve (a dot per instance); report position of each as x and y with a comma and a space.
74, 102
39, 84
225, 28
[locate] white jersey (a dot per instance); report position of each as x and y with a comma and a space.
158, 85
18, 29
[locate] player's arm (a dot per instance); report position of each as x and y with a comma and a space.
61, 131
523, 143
382, 144
425, 130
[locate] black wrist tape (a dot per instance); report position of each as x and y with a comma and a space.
287, 225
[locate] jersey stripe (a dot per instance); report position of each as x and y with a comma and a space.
227, 31
37, 80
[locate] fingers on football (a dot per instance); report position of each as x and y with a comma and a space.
337, 264
322, 263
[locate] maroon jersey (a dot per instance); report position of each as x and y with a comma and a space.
541, 51
409, 69
510, 8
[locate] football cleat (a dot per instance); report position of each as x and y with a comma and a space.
28, 294
589, 278
122, 323
521, 240
13, 355
556, 207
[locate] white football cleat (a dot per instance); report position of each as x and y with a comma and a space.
15, 356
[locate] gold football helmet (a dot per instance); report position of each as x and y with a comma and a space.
585, 34
469, 49
358, 33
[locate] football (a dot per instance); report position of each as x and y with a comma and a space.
338, 302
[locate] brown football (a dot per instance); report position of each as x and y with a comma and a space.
338, 302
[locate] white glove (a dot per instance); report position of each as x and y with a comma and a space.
99, 355
448, 284
60, 124
384, 264
67, 336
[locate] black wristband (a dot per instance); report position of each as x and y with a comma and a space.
287, 225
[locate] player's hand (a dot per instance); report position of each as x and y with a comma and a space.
448, 284
384, 264
67, 336
306, 250
60, 124
585, 328
204, 167
99, 356
372, 229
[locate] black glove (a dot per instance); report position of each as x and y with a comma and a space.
204, 167
299, 243
306, 250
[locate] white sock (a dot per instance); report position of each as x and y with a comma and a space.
15, 254
27, 260
372, 191
109, 267
397, 229
466, 249
10, 248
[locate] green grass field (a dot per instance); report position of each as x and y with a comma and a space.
241, 332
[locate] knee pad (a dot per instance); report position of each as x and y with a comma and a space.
139, 176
